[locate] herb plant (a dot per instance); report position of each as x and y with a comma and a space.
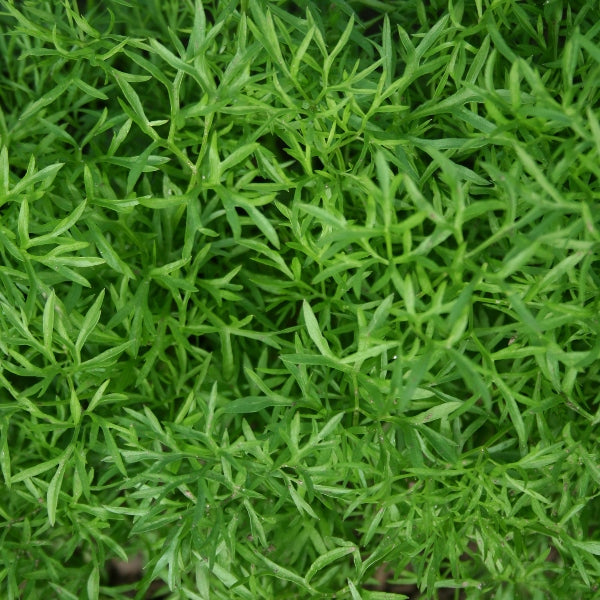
294, 294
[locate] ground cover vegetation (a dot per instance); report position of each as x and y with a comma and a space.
296, 294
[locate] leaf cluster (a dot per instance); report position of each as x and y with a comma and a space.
294, 293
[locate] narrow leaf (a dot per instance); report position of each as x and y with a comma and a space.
48, 320
314, 330
35, 470
90, 322
55, 485
327, 559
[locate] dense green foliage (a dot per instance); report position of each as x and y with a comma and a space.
295, 293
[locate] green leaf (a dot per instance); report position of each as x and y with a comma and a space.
5, 455
48, 320
252, 404
75, 407
55, 485
23, 223
238, 155
93, 584
591, 547
97, 397
45, 175
106, 358
266, 34
35, 470
264, 225
82, 262
342, 41
132, 98
4, 174
326, 559
355, 595
328, 428
108, 253
371, 595
440, 411
89, 322
431, 37
380, 315
470, 375
314, 331
113, 450
169, 268
301, 504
